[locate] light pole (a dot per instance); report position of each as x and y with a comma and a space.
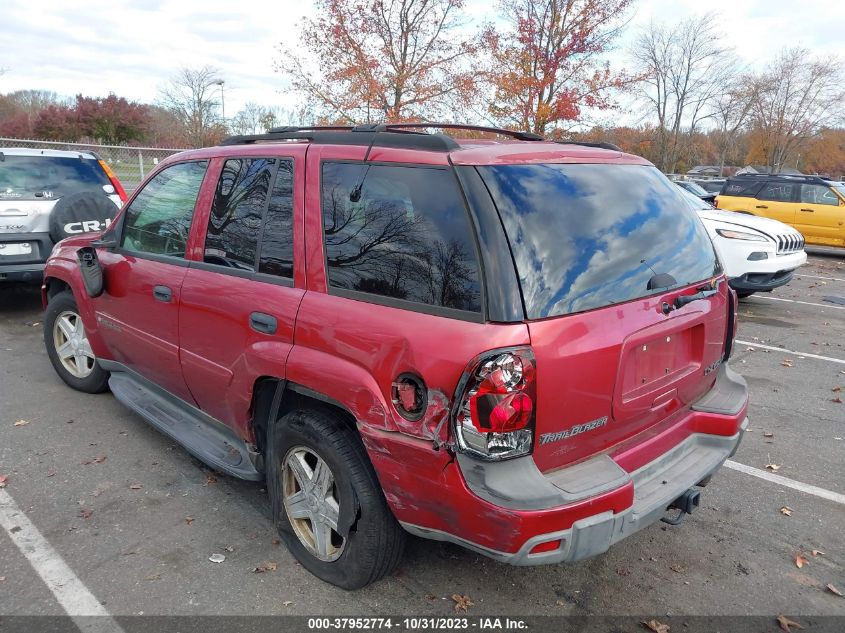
220, 83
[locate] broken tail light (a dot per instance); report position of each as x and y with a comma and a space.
494, 416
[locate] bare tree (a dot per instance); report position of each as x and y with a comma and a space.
192, 96
792, 100
684, 68
730, 113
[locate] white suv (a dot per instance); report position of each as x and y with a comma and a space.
45, 196
758, 254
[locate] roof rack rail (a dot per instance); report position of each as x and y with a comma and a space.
285, 129
804, 177
403, 127
600, 144
337, 135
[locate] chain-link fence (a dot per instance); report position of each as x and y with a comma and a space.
129, 164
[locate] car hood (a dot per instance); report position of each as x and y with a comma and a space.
768, 226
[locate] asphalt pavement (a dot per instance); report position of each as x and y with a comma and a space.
135, 518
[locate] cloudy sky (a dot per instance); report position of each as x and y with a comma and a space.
131, 47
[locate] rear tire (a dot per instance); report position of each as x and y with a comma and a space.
321, 481
68, 347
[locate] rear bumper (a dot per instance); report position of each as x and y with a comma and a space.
513, 496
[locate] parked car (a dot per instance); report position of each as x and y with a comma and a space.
519, 346
812, 205
757, 254
45, 196
711, 186
696, 190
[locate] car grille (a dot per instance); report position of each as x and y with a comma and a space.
790, 243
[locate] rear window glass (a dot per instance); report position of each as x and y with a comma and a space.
742, 188
48, 177
587, 236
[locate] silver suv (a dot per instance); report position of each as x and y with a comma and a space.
45, 196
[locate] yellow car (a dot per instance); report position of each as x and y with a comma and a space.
813, 205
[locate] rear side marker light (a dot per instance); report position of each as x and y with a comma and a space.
494, 416
548, 546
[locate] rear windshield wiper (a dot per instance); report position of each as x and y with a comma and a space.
704, 292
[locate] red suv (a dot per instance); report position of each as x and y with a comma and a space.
519, 346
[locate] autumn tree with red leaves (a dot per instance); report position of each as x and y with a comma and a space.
383, 60
547, 65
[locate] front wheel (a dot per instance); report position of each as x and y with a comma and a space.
327, 503
68, 347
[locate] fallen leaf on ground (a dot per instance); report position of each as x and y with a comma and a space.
269, 565
211, 479
85, 514
750, 349
786, 510
135, 487
833, 589
154, 576
768, 434
462, 603
836, 389
772, 467
784, 623
275, 541
657, 627
287, 603
786, 362
679, 569
229, 548
21, 422
51, 473
95, 460
800, 561
3, 479
189, 520
817, 552
837, 400
2, 578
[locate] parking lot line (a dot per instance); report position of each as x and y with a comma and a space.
786, 482
806, 303
817, 277
69, 590
789, 351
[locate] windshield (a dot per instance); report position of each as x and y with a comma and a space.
48, 177
694, 188
590, 235
694, 201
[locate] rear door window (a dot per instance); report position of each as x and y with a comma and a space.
235, 220
777, 192
158, 220
48, 177
745, 188
277, 237
818, 194
401, 233
587, 236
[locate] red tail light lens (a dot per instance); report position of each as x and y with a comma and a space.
494, 418
118, 188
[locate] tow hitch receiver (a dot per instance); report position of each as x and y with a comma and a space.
685, 504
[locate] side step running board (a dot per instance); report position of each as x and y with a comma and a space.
205, 438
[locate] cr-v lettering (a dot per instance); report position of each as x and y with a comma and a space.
393, 330
86, 226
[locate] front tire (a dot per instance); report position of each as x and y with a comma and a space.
68, 347
327, 503
744, 294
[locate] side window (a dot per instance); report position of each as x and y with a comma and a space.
817, 194
235, 220
776, 192
400, 232
159, 219
277, 238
